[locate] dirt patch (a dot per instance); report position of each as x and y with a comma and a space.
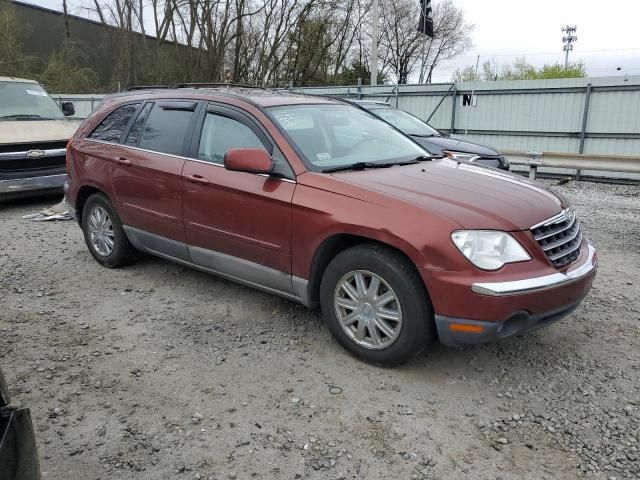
157, 371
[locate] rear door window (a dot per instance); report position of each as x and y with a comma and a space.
112, 127
167, 126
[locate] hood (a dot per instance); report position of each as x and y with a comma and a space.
31, 131
455, 144
474, 197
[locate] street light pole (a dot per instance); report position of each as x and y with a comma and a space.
374, 45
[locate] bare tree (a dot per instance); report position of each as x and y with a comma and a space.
270, 42
452, 36
403, 45
400, 39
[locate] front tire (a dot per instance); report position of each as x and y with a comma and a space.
104, 234
375, 305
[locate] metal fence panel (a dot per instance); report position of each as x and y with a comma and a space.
544, 115
83, 103
615, 112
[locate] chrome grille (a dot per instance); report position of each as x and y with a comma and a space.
560, 238
32, 159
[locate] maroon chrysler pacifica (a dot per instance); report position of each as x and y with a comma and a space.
322, 203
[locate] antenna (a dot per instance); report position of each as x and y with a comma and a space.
567, 42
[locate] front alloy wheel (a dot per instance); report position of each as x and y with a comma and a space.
368, 309
375, 304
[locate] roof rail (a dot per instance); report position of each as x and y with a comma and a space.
213, 85
145, 87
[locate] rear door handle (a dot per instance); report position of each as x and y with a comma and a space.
123, 161
198, 179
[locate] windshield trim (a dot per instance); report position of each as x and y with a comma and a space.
310, 166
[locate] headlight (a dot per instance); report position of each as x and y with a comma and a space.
489, 249
466, 157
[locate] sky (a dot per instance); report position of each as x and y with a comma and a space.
507, 29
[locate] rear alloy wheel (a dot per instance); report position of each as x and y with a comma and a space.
104, 234
101, 231
375, 305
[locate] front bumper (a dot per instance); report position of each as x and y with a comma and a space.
537, 284
19, 186
519, 306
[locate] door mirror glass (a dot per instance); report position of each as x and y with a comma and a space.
68, 108
252, 160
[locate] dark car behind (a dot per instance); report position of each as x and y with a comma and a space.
18, 453
435, 141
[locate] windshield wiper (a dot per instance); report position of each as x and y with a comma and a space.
423, 135
363, 165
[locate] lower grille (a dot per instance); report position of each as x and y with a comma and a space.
560, 238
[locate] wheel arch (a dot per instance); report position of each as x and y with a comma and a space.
81, 199
337, 243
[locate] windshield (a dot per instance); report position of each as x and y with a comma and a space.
405, 122
331, 136
20, 100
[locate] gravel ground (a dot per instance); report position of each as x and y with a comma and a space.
157, 371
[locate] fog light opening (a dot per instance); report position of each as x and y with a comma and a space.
514, 324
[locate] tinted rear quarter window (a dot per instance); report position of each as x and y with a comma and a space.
112, 127
136, 128
166, 127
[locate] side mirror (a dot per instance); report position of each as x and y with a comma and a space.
251, 160
68, 108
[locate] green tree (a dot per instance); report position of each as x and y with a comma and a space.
356, 70
521, 69
13, 61
466, 74
573, 70
65, 72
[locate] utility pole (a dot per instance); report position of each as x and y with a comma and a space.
424, 41
426, 28
567, 42
374, 45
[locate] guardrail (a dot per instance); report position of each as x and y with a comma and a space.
574, 161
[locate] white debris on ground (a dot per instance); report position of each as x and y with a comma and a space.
59, 211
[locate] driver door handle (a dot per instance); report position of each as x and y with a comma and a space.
123, 161
198, 179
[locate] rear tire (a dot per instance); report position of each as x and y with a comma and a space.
375, 305
104, 234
